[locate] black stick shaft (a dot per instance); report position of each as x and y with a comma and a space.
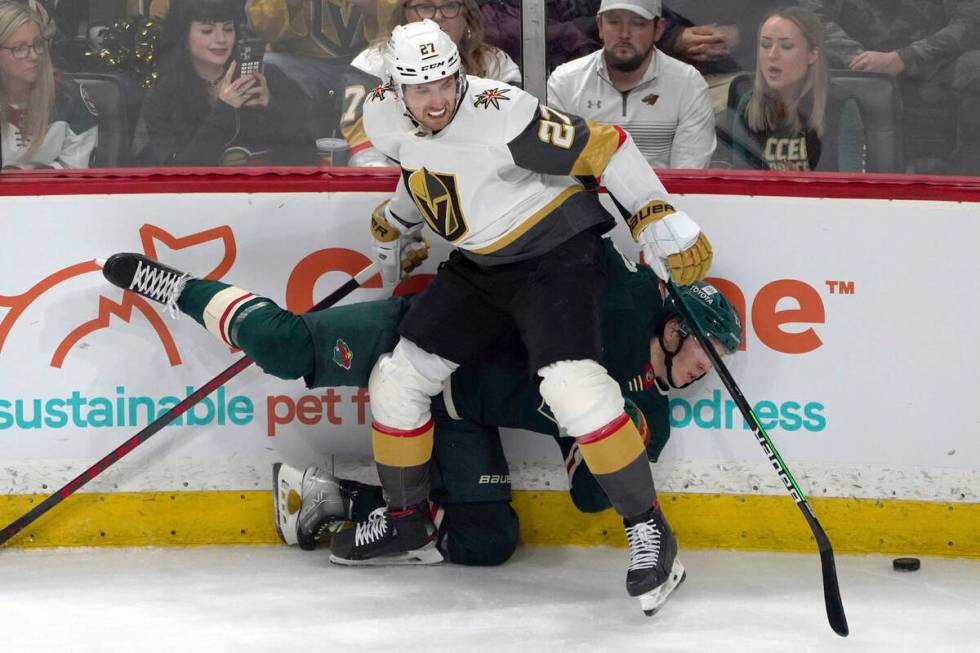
831, 587
153, 427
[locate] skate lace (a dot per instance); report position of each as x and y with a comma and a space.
156, 283
373, 529
643, 540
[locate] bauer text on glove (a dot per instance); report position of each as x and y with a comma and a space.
672, 243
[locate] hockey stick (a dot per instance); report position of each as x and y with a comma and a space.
831, 589
79, 481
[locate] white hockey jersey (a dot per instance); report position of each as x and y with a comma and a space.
499, 181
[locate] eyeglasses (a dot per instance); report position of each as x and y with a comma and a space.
428, 10
40, 46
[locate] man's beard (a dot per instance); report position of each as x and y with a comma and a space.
627, 65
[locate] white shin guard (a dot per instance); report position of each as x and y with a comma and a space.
581, 394
403, 383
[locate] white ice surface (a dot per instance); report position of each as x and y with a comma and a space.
243, 599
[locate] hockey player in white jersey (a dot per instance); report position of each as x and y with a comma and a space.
487, 168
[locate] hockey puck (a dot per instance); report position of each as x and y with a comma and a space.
905, 564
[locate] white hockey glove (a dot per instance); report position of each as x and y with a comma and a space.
672, 243
397, 253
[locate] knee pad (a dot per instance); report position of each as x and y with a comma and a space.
479, 534
402, 385
581, 394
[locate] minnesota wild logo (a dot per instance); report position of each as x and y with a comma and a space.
437, 197
342, 355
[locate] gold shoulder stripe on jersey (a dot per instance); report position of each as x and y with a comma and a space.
602, 144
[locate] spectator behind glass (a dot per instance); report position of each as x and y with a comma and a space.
715, 38
314, 41
462, 21
198, 114
570, 29
932, 49
663, 103
44, 122
794, 118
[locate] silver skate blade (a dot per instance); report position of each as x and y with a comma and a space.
653, 600
427, 555
287, 488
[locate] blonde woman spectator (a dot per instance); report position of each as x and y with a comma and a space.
463, 22
794, 118
44, 122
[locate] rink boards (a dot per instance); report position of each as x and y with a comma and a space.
860, 353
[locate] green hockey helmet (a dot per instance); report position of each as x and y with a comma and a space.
713, 313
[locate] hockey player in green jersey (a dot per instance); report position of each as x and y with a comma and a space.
647, 350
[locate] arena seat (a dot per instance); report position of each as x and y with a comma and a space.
106, 94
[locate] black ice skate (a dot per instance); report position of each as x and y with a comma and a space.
654, 570
146, 278
402, 537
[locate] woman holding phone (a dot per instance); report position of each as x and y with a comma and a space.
205, 111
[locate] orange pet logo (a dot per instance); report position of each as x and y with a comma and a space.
150, 235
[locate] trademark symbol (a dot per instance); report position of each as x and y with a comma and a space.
840, 287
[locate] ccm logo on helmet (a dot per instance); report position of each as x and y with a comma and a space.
439, 64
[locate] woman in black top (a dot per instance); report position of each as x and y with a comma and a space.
199, 114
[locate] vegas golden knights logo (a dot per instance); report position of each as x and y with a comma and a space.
338, 27
437, 198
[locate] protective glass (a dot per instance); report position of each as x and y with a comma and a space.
428, 10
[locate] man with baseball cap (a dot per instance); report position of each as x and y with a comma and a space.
662, 102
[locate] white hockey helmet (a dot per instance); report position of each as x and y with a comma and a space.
420, 52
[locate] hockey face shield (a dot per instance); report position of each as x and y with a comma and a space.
426, 73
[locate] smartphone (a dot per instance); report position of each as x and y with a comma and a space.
248, 55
